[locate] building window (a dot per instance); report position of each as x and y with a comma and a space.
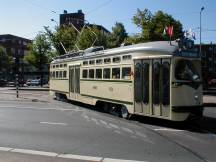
116, 59
107, 60
85, 73
91, 73
126, 72
115, 73
106, 73
99, 73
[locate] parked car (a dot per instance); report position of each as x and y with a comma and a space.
35, 82
3, 82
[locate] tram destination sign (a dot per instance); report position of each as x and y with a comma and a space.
192, 54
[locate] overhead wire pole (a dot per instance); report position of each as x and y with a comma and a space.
201, 31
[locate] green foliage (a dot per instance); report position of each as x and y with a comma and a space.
117, 36
152, 25
66, 35
92, 36
6, 62
40, 52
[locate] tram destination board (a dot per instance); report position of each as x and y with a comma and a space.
192, 54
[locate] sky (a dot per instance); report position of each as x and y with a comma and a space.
26, 18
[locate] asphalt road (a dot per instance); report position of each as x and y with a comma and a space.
69, 128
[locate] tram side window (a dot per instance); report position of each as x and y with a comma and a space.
115, 73
98, 73
85, 62
99, 61
156, 81
106, 73
85, 73
64, 74
116, 59
91, 62
126, 57
57, 74
91, 73
53, 74
107, 60
126, 72
166, 83
60, 74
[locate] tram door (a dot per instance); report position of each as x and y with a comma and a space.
141, 86
74, 81
161, 87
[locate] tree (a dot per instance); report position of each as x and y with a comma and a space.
40, 52
152, 25
64, 35
92, 36
117, 36
6, 62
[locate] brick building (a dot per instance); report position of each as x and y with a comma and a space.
78, 20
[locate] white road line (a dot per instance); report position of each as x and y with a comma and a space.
127, 130
168, 129
113, 126
33, 152
53, 123
5, 149
65, 156
80, 157
119, 160
103, 122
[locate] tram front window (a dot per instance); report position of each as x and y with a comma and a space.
185, 70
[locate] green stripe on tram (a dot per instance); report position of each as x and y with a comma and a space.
108, 99
121, 81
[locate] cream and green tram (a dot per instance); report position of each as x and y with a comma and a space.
155, 79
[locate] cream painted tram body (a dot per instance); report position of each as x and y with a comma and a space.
155, 79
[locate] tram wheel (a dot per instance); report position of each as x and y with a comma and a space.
123, 112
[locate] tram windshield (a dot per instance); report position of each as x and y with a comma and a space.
185, 70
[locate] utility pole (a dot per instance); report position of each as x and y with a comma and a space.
201, 31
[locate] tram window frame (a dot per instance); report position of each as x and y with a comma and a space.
107, 60
85, 63
126, 76
99, 61
91, 75
60, 74
53, 74
105, 71
64, 74
126, 57
57, 74
116, 73
116, 59
83, 72
98, 74
91, 62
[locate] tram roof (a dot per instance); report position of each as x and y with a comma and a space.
157, 47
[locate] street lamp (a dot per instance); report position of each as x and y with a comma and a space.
201, 29
54, 21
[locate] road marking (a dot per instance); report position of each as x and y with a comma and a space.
113, 126
53, 123
127, 130
79, 157
103, 122
5, 149
35, 108
168, 129
65, 156
33, 152
119, 160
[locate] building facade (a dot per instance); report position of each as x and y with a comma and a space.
15, 47
208, 60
